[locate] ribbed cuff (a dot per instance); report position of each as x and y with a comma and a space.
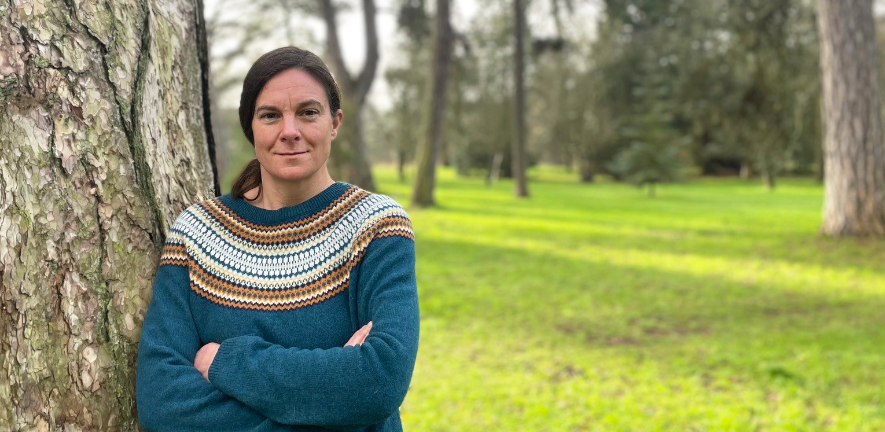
222, 359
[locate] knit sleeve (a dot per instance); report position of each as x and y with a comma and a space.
346, 388
171, 395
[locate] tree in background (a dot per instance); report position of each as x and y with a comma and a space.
775, 86
743, 84
482, 97
653, 155
408, 83
103, 142
520, 183
634, 43
353, 161
854, 152
428, 153
549, 90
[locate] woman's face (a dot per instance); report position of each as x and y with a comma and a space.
293, 128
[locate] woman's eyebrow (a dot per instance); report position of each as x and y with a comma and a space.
310, 103
266, 108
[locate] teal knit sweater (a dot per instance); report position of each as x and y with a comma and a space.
282, 291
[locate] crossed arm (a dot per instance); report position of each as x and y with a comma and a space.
254, 385
207, 353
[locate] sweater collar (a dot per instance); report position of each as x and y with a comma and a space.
261, 216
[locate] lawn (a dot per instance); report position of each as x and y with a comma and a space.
714, 307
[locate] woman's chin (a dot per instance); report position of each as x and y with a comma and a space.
294, 175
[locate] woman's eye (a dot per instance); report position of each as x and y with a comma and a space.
268, 116
311, 113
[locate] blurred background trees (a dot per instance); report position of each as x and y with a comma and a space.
627, 90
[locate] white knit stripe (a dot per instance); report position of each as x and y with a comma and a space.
286, 266
224, 257
290, 299
284, 274
204, 223
268, 283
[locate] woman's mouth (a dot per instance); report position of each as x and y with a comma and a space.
292, 154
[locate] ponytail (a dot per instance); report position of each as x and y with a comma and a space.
249, 179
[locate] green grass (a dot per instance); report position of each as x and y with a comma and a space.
714, 307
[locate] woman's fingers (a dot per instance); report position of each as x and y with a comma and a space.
353, 339
357, 337
360, 336
365, 329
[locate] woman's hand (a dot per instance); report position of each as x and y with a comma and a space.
204, 358
360, 336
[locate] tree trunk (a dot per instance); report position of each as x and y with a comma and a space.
429, 153
854, 152
520, 185
768, 179
746, 170
359, 172
352, 160
401, 165
585, 169
102, 143
495, 169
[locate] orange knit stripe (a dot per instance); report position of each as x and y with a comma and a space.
351, 197
284, 234
275, 307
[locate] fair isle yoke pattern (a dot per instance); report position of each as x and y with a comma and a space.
240, 264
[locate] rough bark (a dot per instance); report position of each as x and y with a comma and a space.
352, 160
429, 153
854, 151
102, 144
520, 184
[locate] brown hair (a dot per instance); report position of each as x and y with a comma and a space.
265, 68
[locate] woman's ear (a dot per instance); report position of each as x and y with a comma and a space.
336, 122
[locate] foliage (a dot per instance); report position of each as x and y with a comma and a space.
409, 83
715, 307
647, 163
653, 156
741, 78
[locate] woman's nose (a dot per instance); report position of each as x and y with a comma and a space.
290, 130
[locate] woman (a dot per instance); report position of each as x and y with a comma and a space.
289, 304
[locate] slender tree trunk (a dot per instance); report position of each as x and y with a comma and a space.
768, 179
429, 153
401, 165
746, 170
495, 169
585, 169
103, 141
359, 171
854, 151
521, 188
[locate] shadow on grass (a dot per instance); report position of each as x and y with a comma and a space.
648, 312
762, 242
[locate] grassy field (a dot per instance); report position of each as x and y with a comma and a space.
714, 307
